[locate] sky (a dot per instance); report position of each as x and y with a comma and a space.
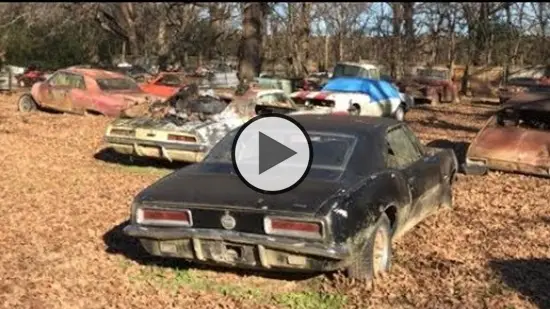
382, 8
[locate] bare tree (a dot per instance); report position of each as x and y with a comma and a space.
250, 48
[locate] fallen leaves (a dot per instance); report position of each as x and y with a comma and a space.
59, 203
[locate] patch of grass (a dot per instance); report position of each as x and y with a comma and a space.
173, 279
310, 300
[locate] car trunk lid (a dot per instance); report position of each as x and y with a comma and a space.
227, 191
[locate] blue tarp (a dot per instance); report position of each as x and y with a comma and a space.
377, 89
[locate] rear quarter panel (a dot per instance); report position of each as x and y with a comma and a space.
108, 105
365, 202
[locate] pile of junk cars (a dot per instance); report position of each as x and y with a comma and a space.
344, 215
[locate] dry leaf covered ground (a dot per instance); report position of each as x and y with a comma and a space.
64, 202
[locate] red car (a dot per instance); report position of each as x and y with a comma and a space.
78, 90
165, 84
30, 76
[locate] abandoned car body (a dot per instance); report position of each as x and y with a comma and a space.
186, 132
370, 181
518, 85
357, 96
85, 90
434, 84
515, 139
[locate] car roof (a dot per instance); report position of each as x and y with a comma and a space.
94, 73
347, 124
357, 64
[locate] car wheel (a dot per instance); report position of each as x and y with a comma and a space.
374, 257
400, 113
355, 110
436, 100
447, 198
26, 104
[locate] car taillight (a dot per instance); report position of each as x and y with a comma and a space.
182, 138
287, 227
122, 132
164, 217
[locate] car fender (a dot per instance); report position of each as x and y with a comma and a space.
366, 201
37, 92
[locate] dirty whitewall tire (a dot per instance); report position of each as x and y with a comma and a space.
400, 113
373, 257
26, 104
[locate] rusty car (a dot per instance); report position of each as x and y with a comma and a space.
189, 125
537, 80
31, 75
434, 84
515, 139
370, 181
81, 91
164, 84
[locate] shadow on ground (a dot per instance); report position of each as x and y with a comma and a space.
110, 156
529, 277
119, 243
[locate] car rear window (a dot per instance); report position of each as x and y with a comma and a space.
330, 151
110, 84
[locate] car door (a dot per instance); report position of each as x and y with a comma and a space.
56, 92
421, 171
79, 96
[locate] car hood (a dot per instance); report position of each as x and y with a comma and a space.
190, 187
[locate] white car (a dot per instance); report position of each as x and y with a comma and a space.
355, 95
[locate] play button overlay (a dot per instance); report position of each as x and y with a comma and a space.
272, 153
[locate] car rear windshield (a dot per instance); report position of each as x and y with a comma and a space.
110, 84
330, 151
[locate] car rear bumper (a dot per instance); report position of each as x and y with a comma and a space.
156, 149
238, 249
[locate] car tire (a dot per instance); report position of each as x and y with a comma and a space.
436, 100
26, 104
374, 256
355, 110
447, 198
399, 114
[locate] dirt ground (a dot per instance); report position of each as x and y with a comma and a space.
64, 202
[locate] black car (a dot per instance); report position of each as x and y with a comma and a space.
370, 181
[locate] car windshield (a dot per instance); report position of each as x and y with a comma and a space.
110, 84
345, 70
433, 74
330, 151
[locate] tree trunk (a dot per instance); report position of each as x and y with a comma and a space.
162, 44
250, 48
408, 18
327, 48
397, 20
127, 9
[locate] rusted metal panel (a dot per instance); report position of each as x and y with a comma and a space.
517, 138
